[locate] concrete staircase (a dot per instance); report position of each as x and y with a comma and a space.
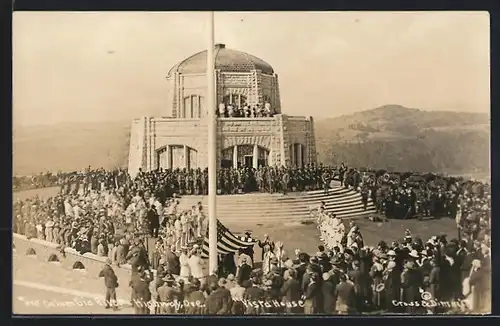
293, 207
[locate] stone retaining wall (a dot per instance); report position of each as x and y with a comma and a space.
93, 263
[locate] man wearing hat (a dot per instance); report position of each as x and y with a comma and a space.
195, 299
168, 296
111, 283
324, 261
140, 294
392, 286
411, 280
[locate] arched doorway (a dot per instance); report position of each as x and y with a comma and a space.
177, 156
245, 155
297, 154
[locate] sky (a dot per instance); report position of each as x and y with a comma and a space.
111, 66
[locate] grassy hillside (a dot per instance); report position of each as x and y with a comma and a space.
392, 137
398, 138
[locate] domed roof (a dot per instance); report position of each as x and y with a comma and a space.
225, 60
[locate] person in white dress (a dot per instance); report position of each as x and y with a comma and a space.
332, 231
266, 263
184, 262
196, 264
351, 236
68, 208
279, 253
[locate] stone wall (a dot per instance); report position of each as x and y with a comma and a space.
43, 249
274, 134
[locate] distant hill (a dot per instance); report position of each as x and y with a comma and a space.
391, 137
70, 146
398, 138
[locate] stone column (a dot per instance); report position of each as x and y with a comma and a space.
168, 164
255, 161
292, 155
186, 157
299, 155
235, 156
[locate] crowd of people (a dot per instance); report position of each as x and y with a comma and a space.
165, 182
233, 110
110, 214
410, 275
41, 180
422, 196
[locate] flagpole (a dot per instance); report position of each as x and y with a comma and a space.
212, 148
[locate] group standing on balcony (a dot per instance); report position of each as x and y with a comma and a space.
232, 110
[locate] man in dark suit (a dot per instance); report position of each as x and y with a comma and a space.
312, 296
195, 299
301, 269
141, 295
244, 271
111, 283
154, 221
328, 292
253, 294
217, 302
411, 281
290, 291
346, 296
138, 256
358, 281
172, 261
167, 295
210, 279
392, 282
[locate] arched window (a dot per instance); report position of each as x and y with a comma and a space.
237, 100
193, 107
177, 156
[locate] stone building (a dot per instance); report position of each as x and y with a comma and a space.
180, 140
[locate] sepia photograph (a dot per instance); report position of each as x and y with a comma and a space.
251, 163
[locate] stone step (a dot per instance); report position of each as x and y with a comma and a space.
238, 214
260, 207
263, 200
346, 201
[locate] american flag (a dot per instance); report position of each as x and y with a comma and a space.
227, 242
